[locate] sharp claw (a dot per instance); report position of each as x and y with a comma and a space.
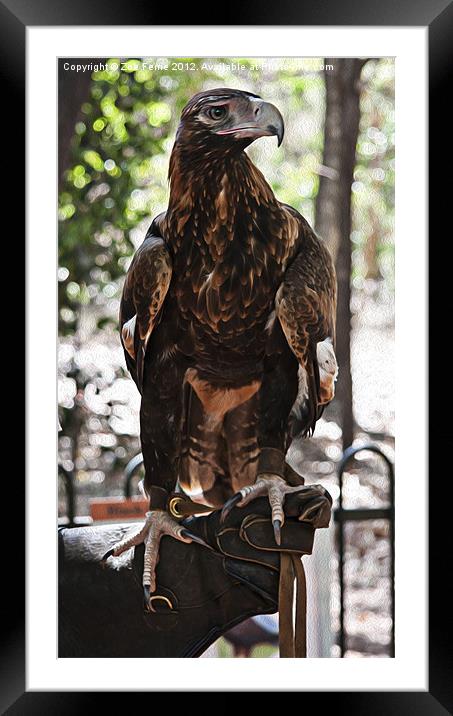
146, 594
107, 555
195, 538
228, 506
277, 531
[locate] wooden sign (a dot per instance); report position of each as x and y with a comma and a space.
117, 509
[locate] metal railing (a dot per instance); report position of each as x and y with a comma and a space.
342, 515
68, 479
71, 519
131, 470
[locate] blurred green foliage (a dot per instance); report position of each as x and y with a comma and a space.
118, 171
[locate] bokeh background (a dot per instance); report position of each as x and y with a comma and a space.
336, 166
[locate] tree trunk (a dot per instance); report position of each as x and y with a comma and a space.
73, 91
333, 209
370, 252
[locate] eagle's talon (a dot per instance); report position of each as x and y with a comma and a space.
107, 555
276, 489
146, 596
277, 531
157, 524
195, 538
229, 504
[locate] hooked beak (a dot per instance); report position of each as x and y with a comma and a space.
265, 121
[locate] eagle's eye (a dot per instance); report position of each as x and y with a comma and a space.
217, 112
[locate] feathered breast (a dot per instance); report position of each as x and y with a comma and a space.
230, 249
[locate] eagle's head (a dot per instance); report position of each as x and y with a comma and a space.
227, 119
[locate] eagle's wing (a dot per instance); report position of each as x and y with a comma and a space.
306, 307
145, 288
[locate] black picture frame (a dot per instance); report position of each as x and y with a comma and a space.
437, 15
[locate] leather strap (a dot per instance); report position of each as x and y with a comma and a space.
158, 497
176, 503
300, 632
292, 640
180, 506
271, 460
292, 477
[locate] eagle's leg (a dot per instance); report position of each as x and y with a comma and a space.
157, 524
160, 434
274, 402
268, 484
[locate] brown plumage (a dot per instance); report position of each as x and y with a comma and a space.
227, 309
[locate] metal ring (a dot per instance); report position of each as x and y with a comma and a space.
162, 598
172, 506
